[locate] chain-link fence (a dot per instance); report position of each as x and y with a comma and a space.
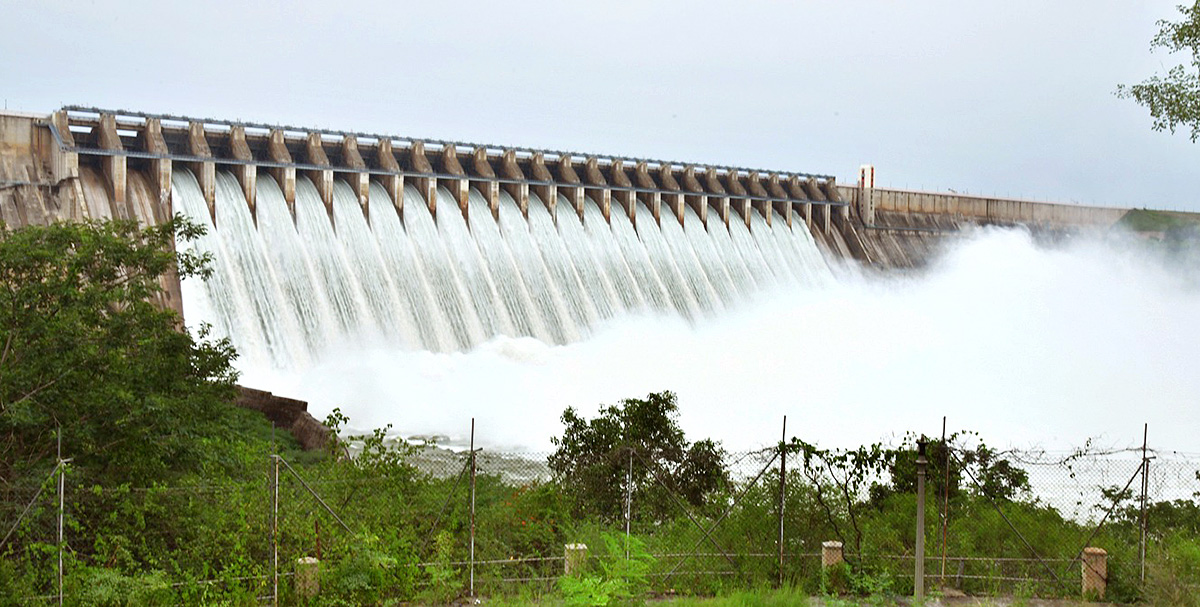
436, 524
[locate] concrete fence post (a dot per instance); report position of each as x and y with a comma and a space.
919, 566
1095, 572
832, 554
308, 577
575, 558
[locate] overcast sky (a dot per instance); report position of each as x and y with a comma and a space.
1011, 97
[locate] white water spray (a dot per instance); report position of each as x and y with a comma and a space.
1023, 344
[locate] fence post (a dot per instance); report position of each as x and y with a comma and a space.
472, 587
275, 530
628, 500
61, 503
574, 558
782, 493
1145, 497
308, 577
945, 499
919, 577
833, 577
831, 554
1095, 572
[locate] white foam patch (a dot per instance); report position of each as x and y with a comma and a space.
1027, 345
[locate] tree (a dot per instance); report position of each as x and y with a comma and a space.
84, 351
979, 471
592, 460
1174, 99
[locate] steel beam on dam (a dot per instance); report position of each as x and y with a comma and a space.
121, 142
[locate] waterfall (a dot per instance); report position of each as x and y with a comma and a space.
289, 285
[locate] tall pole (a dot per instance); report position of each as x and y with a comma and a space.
919, 579
628, 500
275, 530
1145, 491
472, 506
61, 502
782, 493
945, 498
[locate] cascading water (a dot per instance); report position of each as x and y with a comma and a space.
227, 308
696, 277
285, 289
635, 290
250, 264
470, 317
714, 267
293, 270
444, 276
433, 330
720, 243
473, 267
651, 263
551, 277
378, 288
511, 281
331, 268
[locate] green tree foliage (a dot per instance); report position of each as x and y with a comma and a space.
593, 458
980, 471
1169, 516
1174, 99
84, 348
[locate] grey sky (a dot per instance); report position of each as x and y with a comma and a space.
1009, 97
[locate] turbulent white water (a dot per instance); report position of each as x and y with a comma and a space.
1024, 344
299, 284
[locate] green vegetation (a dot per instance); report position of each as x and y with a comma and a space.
1174, 99
636, 443
617, 577
174, 497
1168, 222
83, 349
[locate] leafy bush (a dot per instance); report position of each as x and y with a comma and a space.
618, 576
637, 441
1173, 572
98, 587
90, 357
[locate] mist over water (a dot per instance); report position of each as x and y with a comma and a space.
1027, 345
424, 325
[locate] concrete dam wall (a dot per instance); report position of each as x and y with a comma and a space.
118, 146
326, 236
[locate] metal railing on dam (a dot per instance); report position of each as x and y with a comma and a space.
120, 141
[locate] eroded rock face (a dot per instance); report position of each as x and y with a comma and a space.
287, 414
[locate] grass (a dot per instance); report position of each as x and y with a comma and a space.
1145, 220
747, 598
784, 597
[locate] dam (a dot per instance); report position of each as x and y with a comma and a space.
423, 283
323, 236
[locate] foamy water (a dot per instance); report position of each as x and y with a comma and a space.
1027, 345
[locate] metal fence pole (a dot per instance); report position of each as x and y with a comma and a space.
628, 500
1145, 491
472, 581
275, 530
919, 578
945, 499
61, 503
782, 493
